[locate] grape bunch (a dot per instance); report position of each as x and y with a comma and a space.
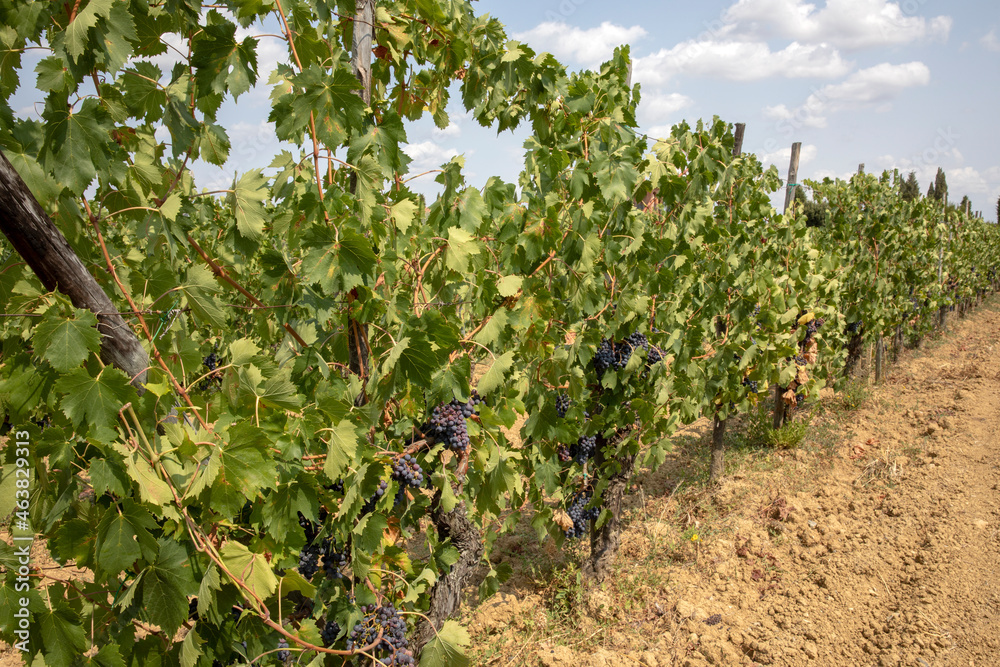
393, 644
333, 560
605, 357
584, 449
581, 517
800, 360
407, 471
562, 405
611, 355
751, 384
564, 454
309, 561
369, 505
336, 487
329, 633
284, 653
853, 328
211, 362
447, 423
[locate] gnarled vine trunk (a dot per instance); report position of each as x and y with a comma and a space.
854, 349
446, 595
605, 541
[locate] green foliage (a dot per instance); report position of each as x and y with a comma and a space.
909, 190
196, 488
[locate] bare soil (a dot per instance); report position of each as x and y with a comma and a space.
875, 542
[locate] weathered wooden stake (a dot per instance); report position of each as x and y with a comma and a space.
718, 466
44, 248
793, 176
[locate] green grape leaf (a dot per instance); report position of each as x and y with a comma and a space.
342, 449
94, 400
123, 537
191, 648
222, 63
165, 586
252, 568
63, 637
200, 291
247, 202
447, 649
66, 343
494, 377
78, 30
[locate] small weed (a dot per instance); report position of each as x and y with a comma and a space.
566, 593
854, 394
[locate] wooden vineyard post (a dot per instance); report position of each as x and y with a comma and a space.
44, 248
717, 467
855, 344
793, 175
943, 311
361, 60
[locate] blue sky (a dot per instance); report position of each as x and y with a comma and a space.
913, 84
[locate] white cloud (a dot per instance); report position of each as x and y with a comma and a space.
782, 156
874, 86
428, 155
453, 130
740, 61
655, 106
990, 41
589, 47
847, 24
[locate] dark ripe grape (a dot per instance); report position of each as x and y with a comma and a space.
337, 486
330, 633
211, 361
654, 356
392, 648
799, 399
564, 454
407, 471
756, 310
604, 357
309, 561
562, 405
333, 560
193, 609
853, 328
584, 448
581, 517
283, 644
800, 360
447, 423
752, 384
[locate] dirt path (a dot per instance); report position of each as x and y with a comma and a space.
878, 547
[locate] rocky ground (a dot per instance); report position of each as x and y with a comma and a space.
875, 542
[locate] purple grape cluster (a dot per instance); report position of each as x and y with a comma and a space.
580, 515
562, 405
407, 471
369, 505
584, 448
751, 384
392, 648
564, 454
283, 654
333, 560
309, 561
329, 633
448, 423
614, 356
